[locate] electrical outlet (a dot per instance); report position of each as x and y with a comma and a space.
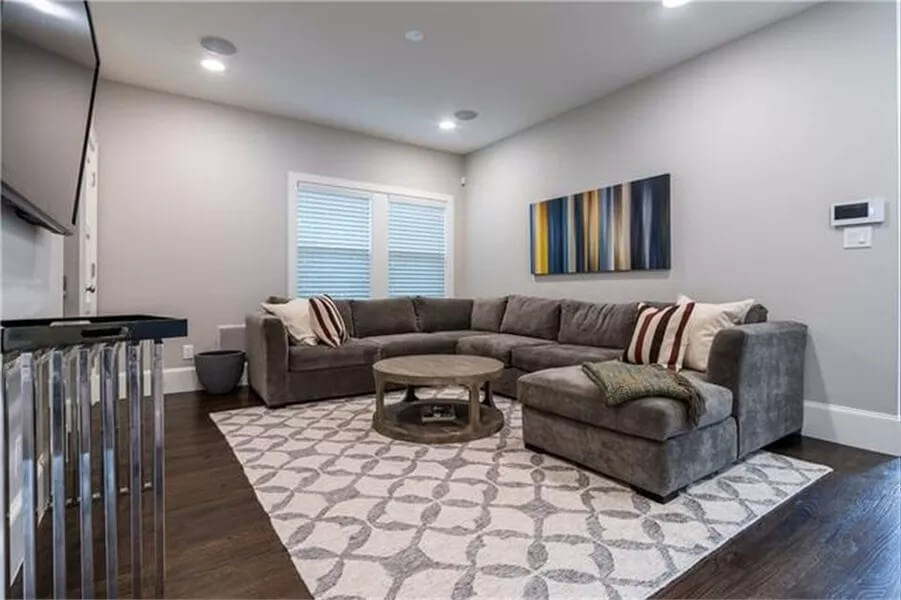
187, 351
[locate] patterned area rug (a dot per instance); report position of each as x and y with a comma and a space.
364, 516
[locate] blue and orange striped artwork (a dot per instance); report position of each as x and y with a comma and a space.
623, 227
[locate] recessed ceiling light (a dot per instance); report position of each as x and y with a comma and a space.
447, 124
675, 3
414, 35
213, 64
465, 114
218, 45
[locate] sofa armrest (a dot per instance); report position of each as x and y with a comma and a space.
763, 365
267, 357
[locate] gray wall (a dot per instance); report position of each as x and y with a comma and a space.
760, 136
32, 270
193, 196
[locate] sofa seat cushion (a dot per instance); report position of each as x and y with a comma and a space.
536, 358
459, 334
403, 344
497, 345
567, 392
353, 353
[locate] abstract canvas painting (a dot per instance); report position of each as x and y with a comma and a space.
622, 227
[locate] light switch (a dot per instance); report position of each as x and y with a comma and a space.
858, 237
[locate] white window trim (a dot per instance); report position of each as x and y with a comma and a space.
379, 238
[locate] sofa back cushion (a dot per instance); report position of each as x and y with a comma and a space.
346, 315
442, 314
533, 317
381, 317
590, 324
487, 313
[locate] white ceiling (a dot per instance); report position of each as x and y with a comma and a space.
348, 64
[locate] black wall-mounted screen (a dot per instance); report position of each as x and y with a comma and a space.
50, 67
858, 210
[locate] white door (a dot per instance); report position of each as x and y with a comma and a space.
87, 215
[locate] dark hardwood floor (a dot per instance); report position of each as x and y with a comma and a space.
841, 538
220, 543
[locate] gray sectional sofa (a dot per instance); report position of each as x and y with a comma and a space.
752, 389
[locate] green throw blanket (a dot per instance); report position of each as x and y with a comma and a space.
621, 382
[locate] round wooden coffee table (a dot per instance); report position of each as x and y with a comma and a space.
464, 420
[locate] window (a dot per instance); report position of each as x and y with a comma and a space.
333, 242
357, 240
416, 248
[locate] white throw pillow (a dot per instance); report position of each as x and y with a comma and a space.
295, 316
706, 321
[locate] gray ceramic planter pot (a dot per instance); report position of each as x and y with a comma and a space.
219, 371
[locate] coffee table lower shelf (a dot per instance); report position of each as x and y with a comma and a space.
403, 421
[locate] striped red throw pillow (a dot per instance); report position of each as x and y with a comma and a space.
326, 321
660, 336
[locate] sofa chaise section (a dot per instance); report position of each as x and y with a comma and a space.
567, 392
649, 443
753, 392
658, 470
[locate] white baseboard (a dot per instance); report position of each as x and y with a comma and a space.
179, 379
183, 379
175, 381
879, 432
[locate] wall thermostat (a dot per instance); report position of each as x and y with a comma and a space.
858, 212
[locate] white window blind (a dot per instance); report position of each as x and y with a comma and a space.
334, 242
416, 248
